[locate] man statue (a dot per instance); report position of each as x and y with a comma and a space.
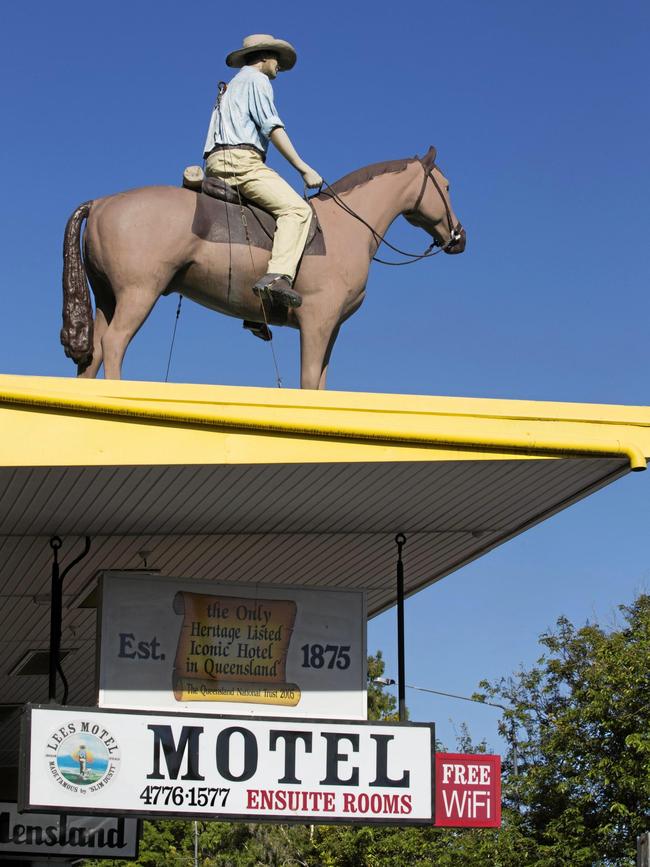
243, 122
83, 761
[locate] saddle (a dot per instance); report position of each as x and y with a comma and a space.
218, 218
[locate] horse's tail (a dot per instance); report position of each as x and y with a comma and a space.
77, 331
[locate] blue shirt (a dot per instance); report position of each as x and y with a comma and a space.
246, 114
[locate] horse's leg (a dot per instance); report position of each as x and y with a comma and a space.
328, 352
104, 310
91, 370
133, 305
315, 337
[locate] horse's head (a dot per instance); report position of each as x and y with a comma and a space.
432, 210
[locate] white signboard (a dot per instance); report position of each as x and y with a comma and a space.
172, 644
66, 834
237, 768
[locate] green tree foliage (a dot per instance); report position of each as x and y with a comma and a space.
580, 721
583, 720
382, 705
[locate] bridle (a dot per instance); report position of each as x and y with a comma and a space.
455, 231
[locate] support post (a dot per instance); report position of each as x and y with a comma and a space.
515, 754
643, 850
56, 616
400, 541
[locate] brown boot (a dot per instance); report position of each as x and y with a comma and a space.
279, 289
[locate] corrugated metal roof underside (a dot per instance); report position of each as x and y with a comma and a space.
431, 496
327, 525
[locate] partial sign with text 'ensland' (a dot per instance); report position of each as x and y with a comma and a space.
55, 834
174, 644
78, 759
468, 790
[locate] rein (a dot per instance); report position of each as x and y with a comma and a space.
454, 233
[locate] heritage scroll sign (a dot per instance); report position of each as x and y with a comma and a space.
184, 645
120, 762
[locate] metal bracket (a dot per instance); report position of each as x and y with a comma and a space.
56, 616
400, 541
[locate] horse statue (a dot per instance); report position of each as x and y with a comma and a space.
148, 242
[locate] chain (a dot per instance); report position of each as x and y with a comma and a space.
171, 348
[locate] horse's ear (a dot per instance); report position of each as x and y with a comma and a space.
430, 157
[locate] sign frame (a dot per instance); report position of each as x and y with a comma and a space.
193, 586
24, 771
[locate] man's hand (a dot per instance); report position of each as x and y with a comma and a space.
311, 178
283, 143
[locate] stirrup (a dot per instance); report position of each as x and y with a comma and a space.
278, 288
258, 329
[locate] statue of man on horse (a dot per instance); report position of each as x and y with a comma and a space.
244, 120
245, 228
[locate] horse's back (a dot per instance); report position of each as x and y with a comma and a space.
156, 204
150, 223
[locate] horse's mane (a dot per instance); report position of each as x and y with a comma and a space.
367, 173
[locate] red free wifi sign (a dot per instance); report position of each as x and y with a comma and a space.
468, 791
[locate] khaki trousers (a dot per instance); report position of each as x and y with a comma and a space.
245, 169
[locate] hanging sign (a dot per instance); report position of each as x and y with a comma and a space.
468, 790
66, 834
192, 645
237, 768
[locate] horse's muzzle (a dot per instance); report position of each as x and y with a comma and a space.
457, 245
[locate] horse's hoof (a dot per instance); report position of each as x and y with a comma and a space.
258, 329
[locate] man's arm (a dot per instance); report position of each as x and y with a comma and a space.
282, 142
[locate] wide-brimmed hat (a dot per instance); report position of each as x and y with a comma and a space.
263, 42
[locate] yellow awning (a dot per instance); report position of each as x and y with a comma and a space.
269, 485
58, 422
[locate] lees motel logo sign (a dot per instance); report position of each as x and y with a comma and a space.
242, 768
82, 756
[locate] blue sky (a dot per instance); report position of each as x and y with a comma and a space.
539, 113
